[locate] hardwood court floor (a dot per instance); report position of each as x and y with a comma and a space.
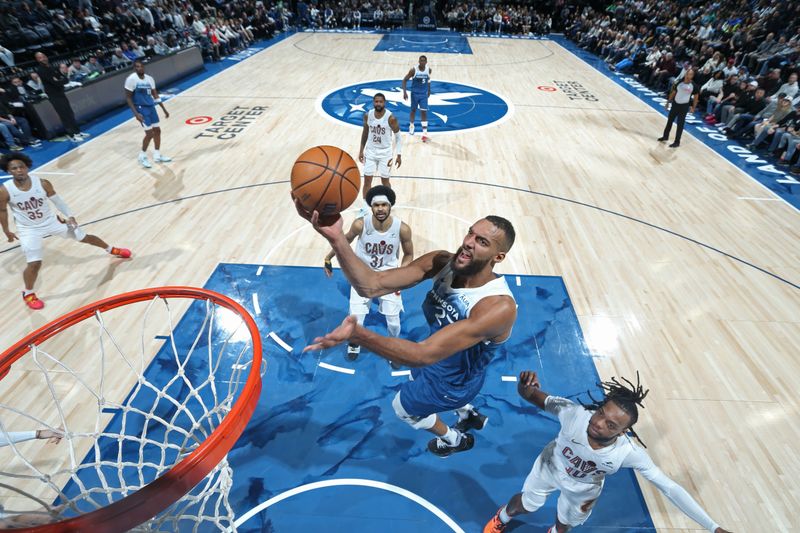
713, 337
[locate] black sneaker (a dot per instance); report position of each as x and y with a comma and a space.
475, 420
662, 139
352, 352
439, 447
675, 145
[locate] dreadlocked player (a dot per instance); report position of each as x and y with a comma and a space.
592, 444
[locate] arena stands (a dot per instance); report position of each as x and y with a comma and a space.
746, 56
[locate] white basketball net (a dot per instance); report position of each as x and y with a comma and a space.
122, 440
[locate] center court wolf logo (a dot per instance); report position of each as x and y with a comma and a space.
451, 106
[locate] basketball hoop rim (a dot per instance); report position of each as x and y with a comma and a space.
181, 478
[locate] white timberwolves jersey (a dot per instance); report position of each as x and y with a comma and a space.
381, 251
379, 141
31, 208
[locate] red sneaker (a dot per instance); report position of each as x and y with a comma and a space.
495, 525
121, 252
32, 301
425, 138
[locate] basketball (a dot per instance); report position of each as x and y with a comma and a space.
325, 179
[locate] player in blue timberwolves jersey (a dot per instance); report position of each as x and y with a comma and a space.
470, 311
420, 76
142, 97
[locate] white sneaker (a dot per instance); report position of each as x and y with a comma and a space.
145, 162
161, 159
75, 138
83, 135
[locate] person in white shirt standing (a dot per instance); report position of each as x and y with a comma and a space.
593, 443
142, 97
376, 145
29, 199
380, 239
683, 99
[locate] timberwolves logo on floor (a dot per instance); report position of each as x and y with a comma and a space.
451, 106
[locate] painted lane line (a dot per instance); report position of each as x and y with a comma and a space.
280, 341
335, 368
256, 307
509, 378
759, 199
351, 483
260, 269
401, 373
519, 281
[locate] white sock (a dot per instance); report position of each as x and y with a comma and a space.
109, 248
156, 154
142, 154
503, 516
411, 129
464, 412
26, 292
452, 437
424, 126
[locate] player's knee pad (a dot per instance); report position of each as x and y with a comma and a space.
416, 422
393, 325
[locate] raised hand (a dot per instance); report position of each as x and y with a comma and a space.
335, 337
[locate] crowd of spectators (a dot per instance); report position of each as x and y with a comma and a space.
746, 57
87, 38
351, 14
497, 19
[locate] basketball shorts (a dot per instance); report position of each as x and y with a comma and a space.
30, 238
388, 304
419, 101
376, 165
426, 394
149, 115
576, 501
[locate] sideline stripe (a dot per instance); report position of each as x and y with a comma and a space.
350, 483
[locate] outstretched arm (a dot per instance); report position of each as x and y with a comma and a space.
493, 317
641, 461
529, 388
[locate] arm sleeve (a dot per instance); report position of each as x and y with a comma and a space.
641, 461
61, 205
16, 436
561, 407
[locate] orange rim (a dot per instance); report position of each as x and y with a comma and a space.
162, 492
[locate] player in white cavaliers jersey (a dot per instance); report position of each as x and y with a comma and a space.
380, 238
380, 125
29, 199
592, 444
